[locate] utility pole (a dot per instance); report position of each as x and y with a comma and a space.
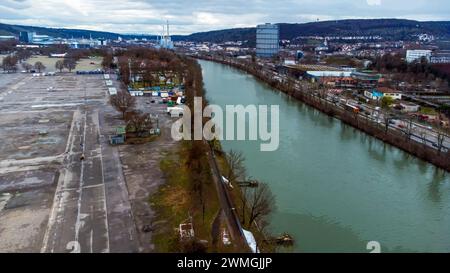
129, 70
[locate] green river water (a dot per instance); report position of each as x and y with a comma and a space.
337, 188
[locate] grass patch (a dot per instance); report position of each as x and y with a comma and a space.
168, 213
140, 140
175, 202
428, 111
87, 64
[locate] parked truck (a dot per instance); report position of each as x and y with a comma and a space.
175, 111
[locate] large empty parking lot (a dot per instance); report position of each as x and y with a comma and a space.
50, 200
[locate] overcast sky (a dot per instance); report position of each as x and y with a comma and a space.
147, 16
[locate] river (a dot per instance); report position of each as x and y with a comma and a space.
337, 188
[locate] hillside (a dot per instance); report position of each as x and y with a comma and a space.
216, 36
390, 29
386, 28
6, 29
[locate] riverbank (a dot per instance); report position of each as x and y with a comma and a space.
336, 187
392, 137
194, 193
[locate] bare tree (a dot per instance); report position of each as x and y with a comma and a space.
123, 102
59, 65
409, 128
107, 61
70, 64
27, 67
9, 63
261, 202
244, 204
39, 66
387, 119
138, 122
148, 77
124, 70
236, 168
322, 91
135, 68
440, 140
423, 135
22, 55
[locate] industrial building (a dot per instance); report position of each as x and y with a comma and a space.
441, 57
165, 41
83, 43
33, 38
7, 38
381, 92
267, 40
417, 55
332, 76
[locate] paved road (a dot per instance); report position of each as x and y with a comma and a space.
91, 211
227, 206
78, 221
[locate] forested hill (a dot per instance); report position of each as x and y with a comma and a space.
387, 28
391, 29
6, 29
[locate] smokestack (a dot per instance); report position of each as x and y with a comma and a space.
168, 34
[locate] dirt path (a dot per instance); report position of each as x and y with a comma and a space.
142, 171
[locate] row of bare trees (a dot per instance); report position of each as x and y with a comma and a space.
418, 71
38, 66
9, 64
199, 169
7, 46
137, 122
147, 65
257, 203
68, 63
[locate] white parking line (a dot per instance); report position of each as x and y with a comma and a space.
97, 123
78, 222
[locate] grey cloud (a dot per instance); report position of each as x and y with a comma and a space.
185, 16
15, 4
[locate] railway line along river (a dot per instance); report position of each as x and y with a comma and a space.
337, 188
